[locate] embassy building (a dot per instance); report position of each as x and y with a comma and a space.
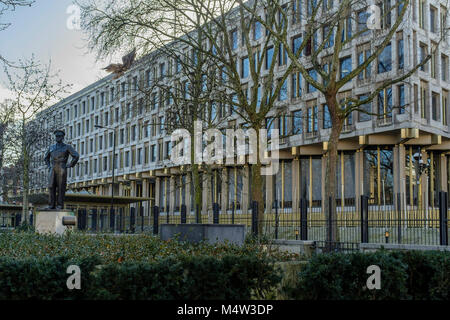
379, 156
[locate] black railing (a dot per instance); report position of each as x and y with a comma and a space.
355, 221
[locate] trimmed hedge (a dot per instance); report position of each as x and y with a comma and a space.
405, 275
181, 277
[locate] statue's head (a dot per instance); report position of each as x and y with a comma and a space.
59, 136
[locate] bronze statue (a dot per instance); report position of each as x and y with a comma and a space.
56, 160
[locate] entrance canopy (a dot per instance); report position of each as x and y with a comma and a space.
86, 198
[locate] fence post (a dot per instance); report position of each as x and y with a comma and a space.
215, 213
364, 219
94, 220
17, 220
155, 219
232, 213
132, 219
255, 218
330, 222
276, 219
443, 218
141, 209
112, 220
303, 219
399, 213
197, 214
183, 213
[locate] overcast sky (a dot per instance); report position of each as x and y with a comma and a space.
42, 30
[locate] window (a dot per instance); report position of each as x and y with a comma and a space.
282, 96
363, 55
257, 33
153, 153
162, 70
297, 122
433, 19
313, 74
234, 39
122, 89
384, 60
312, 119
139, 156
444, 107
102, 98
362, 23
434, 58
296, 88
422, 14
443, 22
296, 44
423, 99
401, 98
328, 37
282, 55
326, 117
435, 106
244, 67
296, 11
385, 11
366, 109
269, 57
400, 53
92, 103
444, 68
127, 158
345, 66
422, 55
282, 125
385, 103
347, 30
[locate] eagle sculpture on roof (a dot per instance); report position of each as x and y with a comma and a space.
120, 68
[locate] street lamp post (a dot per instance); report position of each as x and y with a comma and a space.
113, 162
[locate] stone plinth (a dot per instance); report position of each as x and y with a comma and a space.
51, 221
211, 233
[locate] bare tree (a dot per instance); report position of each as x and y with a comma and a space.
10, 5
319, 54
6, 118
34, 87
204, 29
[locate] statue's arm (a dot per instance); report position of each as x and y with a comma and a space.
75, 156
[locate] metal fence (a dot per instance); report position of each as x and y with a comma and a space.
357, 222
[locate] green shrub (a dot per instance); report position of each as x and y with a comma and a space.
111, 248
404, 275
183, 277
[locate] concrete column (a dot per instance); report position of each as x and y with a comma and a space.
269, 192
444, 173
224, 199
395, 162
245, 188
295, 184
145, 204
358, 178
324, 172
402, 174
425, 181
187, 195
206, 194
157, 191
171, 194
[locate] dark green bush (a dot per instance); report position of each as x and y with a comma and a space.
204, 277
404, 275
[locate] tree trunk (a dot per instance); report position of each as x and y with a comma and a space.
25, 177
196, 182
257, 185
329, 198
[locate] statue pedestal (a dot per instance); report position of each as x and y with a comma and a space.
54, 221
